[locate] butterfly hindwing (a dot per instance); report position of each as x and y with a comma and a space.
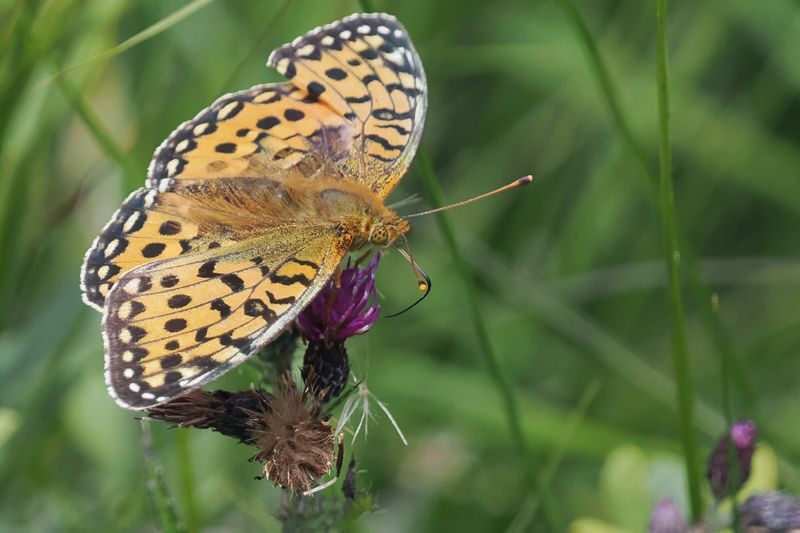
364, 67
173, 325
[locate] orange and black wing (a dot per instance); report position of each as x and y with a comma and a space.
366, 69
172, 325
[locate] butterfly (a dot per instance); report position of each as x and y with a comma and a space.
250, 207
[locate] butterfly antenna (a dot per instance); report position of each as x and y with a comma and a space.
516, 183
423, 280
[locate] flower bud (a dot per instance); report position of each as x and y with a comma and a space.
725, 479
666, 518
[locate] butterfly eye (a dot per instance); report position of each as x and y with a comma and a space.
379, 235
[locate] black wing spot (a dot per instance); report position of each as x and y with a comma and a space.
293, 114
170, 227
175, 325
268, 122
206, 270
172, 377
171, 361
145, 283
170, 280
336, 74
369, 53
136, 333
178, 301
200, 335
226, 148
233, 282
220, 306
136, 308
315, 89
172, 345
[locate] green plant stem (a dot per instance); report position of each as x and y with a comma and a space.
157, 486
185, 471
680, 351
608, 88
492, 363
611, 94
99, 132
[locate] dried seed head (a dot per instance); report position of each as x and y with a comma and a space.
770, 511
226, 412
295, 446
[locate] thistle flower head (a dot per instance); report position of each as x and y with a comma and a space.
344, 307
295, 446
725, 479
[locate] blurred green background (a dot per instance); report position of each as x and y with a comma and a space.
569, 271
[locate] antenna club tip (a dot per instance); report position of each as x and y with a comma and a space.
525, 180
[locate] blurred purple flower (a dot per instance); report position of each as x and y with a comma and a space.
342, 311
666, 518
724, 480
773, 511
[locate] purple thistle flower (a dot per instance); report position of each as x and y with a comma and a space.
724, 480
344, 311
343, 308
666, 518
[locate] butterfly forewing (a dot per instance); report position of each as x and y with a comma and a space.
254, 133
136, 234
175, 324
364, 67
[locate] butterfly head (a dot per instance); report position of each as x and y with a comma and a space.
385, 231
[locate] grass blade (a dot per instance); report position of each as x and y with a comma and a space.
486, 350
157, 486
607, 86
100, 133
147, 33
185, 474
680, 350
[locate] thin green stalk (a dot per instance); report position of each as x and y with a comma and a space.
608, 88
612, 98
157, 486
99, 132
147, 33
486, 350
185, 473
524, 518
680, 350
